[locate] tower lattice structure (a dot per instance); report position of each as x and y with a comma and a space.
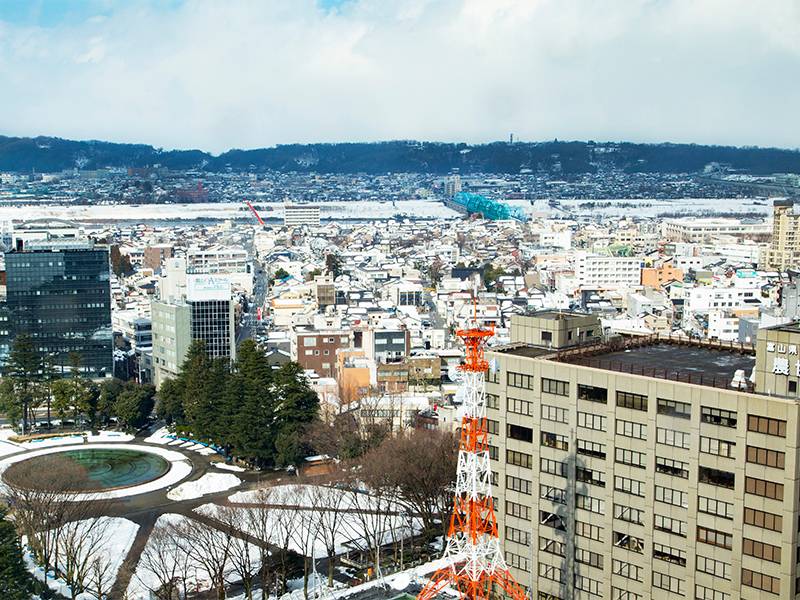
473, 557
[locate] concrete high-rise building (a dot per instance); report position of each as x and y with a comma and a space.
646, 469
59, 293
191, 307
784, 251
295, 215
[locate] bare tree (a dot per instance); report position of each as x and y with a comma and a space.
82, 542
260, 523
332, 501
162, 558
234, 521
212, 550
284, 524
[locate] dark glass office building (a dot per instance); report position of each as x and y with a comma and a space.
59, 293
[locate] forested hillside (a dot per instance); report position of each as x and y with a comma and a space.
45, 154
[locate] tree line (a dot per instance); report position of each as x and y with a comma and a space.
34, 381
48, 154
251, 411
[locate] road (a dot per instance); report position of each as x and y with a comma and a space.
249, 324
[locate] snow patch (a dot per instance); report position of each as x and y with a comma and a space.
207, 484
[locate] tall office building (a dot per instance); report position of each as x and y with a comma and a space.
191, 307
296, 215
59, 293
646, 468
784, 251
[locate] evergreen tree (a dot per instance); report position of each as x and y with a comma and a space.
254, 422
15, 582
25, 368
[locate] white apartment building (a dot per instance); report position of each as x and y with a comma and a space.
606, 271
296, 215
694, 229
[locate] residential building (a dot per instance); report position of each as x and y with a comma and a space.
316, 349
784, 251
296, 215
156, 254
594, 270
697, 230
644, 469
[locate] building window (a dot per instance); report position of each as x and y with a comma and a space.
554, 386
716, 416
629, 514
633, 430
518, 536
629, 542
591, 449
555, 440
518, 380
517, 561
547, 336
760, 487
714, 537
620, 594
554, 413
593, 394
587, 530
492, 427
594, 505
712, 506
717, 477
554, 494
494, 452
669, 525
552, 573
590, 476
553, 467
520, 407
552, 546
717, 447
670, 584
552, 520
673, 408
626, 570
586, 557
766, 425
634, 401
548, 596
717, 568
519, 459
761, 550
629, 486
763, 519
707, 593
590, 421
669, 554
672, 496
761, 581
493, 401
592, 586
517, 484
673, 467
768, 458
670, 437
521, 511
631, 458
517, 432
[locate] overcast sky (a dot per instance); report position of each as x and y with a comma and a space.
223, 74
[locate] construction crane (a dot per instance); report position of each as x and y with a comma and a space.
255, 213
473, 557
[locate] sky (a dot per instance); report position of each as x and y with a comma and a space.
223, 74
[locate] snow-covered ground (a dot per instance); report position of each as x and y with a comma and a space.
207, 484
114, 539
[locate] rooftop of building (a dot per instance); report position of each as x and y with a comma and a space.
700, 362
793, 327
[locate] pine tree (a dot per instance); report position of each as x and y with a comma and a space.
15, 582
25, 368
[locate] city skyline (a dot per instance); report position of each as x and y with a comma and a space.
247, 75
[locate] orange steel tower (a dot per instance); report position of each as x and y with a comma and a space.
473, 556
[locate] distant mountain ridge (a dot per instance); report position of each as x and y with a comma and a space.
48, 154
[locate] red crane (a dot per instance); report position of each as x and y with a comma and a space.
255, 213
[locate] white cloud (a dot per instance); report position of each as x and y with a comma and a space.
218, 75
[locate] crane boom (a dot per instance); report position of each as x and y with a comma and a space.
255, 213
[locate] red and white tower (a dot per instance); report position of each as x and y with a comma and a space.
474, 559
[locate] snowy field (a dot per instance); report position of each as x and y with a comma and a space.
420, 209
207, 484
